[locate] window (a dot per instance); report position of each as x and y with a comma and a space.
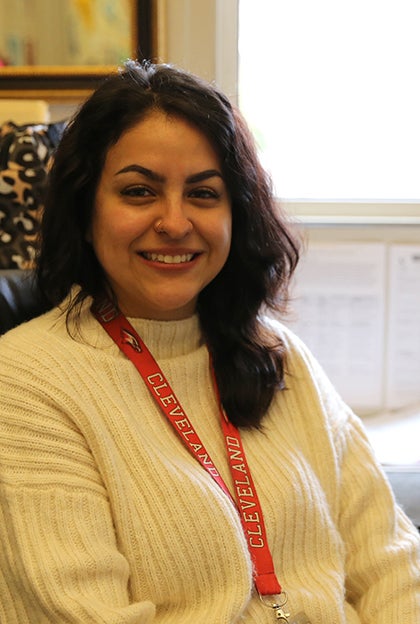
331, 91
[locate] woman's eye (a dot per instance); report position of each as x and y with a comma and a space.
204, 193
137, 191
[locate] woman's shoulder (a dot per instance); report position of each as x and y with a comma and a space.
309, 396
50, 336
47, 323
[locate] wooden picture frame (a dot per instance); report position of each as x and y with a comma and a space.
73, 82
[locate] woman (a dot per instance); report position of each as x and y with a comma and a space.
155, 392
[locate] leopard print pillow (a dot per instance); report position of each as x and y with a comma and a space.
25, 154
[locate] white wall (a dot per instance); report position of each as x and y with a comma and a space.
200, 36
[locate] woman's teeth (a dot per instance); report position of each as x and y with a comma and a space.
167, 259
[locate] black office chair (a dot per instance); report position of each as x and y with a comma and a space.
19, 298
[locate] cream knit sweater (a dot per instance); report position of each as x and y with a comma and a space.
105, 517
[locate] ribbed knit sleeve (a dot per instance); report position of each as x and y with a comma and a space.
58, 546
381, 546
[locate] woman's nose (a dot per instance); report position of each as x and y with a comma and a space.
174, 221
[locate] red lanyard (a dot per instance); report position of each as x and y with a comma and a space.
247, 503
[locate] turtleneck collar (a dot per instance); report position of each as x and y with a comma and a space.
165, 339
168, 339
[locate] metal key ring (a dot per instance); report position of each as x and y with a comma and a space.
274, 605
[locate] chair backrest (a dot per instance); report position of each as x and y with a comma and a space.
19, 299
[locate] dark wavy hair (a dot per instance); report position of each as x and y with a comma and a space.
248, 361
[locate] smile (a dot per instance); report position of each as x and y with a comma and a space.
167, 259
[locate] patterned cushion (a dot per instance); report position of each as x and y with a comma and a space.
25, 154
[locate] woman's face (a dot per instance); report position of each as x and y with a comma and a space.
161, 223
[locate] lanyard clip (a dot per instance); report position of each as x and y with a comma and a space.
277, 606
281, 615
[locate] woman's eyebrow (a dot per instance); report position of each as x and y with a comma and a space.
157, 177
203, 175
148, 173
